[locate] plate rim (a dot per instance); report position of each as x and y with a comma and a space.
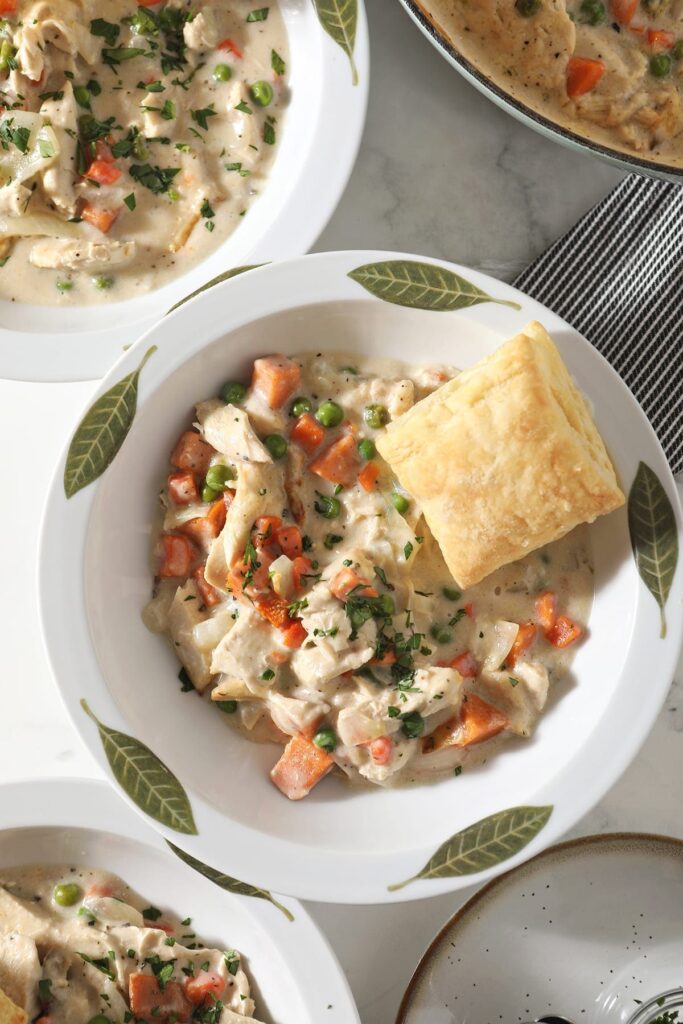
54, 793
471, 904
39, 357
435, 34
300, 880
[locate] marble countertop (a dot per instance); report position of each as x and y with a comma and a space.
441, 172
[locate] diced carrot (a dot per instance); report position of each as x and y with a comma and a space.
148, 3
204, 529
278, 657
381, 750
583, 74
209, 595
368, 477
337, 464
290, 540
100, 219
564, 632
103, 152
300, 768
546, 610
388, 658
247, 580
177, 556
100, 889
347, 580
623, 10
160, 925
182, 488
276, 378
205, 988
273, 608
301, 567
660, 39
469, 610
103, 172
8, 6
465, 664
149, 1001
265, 530
307, 433
477, 721
229, 44
295, 635
523, 640
192, 453
43, 1020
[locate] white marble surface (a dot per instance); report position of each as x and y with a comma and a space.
441, 172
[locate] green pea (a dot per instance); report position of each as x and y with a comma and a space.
222, 73
300, 406
330, 508
400, 502
64, 286
217, 477
527, 8
66, 894
233, 392
329, 414
102, 283
228, 707
660, 65
386, 603
276, 445
366, 449
376, 416
325, 739
413, 724
100, 1018
82, 96
451, 594
209, 494
441, 634
262, 93
592, 12
677, 51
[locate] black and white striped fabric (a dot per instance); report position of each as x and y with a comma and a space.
617, 277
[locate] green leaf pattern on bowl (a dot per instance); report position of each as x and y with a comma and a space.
225, 276
339, 18
227, 882
421, 286
483, 845
145, 778
102, 431
654, 538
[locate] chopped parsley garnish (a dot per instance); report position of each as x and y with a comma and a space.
407, 551
130, 201
120, 53
243, 107
201, 117
101, 964
393, 711
161, 969
382, 576
457, 770
258, 15
206, 210
91, 129
277, 63
331, 539
44, 993
168, 110
186, 682
56, 96
513, 681
268, 675
156, 179
105, 29
152, 86
13, 136
232, 961
151, 913
269, 133
237, 167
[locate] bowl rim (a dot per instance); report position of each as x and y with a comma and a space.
470, 905
426, 22
285, 865
78, 351
58, 802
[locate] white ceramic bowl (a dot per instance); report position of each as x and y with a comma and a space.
319, 142
294, 974
590, 929
342, 844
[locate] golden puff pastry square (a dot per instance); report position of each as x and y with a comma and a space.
504, 458
9, 1012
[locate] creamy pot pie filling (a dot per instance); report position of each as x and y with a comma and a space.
133, 139
303, 592
77, 946
611, 70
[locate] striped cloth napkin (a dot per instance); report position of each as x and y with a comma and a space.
617, 277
